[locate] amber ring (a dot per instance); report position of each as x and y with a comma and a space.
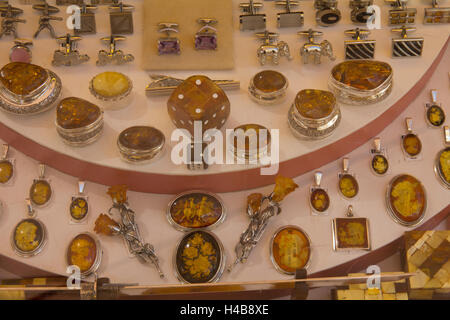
268, 87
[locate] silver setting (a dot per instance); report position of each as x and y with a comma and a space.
207, 30
272, 258
116, 102
359, 14
405, 47
251, 20
316, 187
83, 196
41, 178
437, 164
264, 97
46, 17
98, 255
9, 162
113, 56
87, 20
121, 18
349, 216
346, 173
272, 49
23, 44
254, 152
179, 227
196, 156
401, 15
289, 19
10, 20
436, 15
434, 104
358, 48
138, 156
315, 49
381, 152
67, 55
327, 12
410, 133
168, 28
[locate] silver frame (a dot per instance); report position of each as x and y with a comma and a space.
391, 210
277, 267
336, 239
82, 220
342, 174
98, 257
39, 248
145, 156
186, 229
51, 194
265, 98
437, 171
220, 268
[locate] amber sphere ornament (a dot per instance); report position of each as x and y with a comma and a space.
84, 251
27, 88
140, 144
268, 87
198, 98
40, 191
361, 81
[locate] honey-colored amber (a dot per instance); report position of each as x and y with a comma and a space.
291, 249
22, 78
412, 144
362, 74
73, 113
40, 192
254, 201
248, 132
28, 235
348, 186
444, 164
320, 200
6, 171
380, 164
118, 193
269, 81
104, 225
141, 138
110, 84
407, 198
436, 115
198, 98
82, 252
283, 186
352, 233
315, 104
78, 208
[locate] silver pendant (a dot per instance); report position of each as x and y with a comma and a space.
41, 191
411, 143
379, 163
10, 20
319, 200
251, 20
113, 56
436, 15
68, 55
79, 205
121, 18
206, 37
21, 51
347, 184
359, 14
272, 49
351, 233
442, 162
328, 14
7, 168
289, 19
168, 44
434, 113
46, 17
87, 20
86, 250
401, 15
358, 48
314, 49
404, 47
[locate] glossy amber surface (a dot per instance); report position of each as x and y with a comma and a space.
40, 192
348, 186
118, 193
28, 235
315, 104
380, 164
320, 200
444, 164
198, 99
412, 144
22, 78
78, 208
352, 233
82, 252
407, 198
74, 113
269, 81
104, 225
141, 138
291, 249
362, 74
251, 134
435, 115
6, 171
110, 84
254, 201
283, 187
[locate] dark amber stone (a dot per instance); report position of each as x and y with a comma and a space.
82, 252
269, 81
28, 235
40, 192
315, 104
291, 249
412, 144
362, 74
74, 113
435, 115
320, 200
141, 138
352, 233
22, 78
348, 186
380, 164
79, 208
6, 171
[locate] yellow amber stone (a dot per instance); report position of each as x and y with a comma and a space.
118, 193
444, 164
254, 201
104, 225
269, 81
40, 192
110, 84
407, 198
82, 252
362, 74
28, 235
283, 187
320, 200
291, 249
436, 115
348, 186
78, 208
315, 104
412, 144
22, 78
73, 113
380, 164
352, 232
6, 171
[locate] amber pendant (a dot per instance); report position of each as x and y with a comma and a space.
290, 249
6, 167
319, 199
442, 162
411, 143
379, 163
40, 191
434, 113
79, 206
85, 252
351, 233
348, 185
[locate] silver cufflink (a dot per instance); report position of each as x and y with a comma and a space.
10, 20
121, 18
359, 14
359, 48
404, 46
272, 49
87, 20
206, 37
168, 44
436, 15
401, 15
315, 49
251, 20
113, 56
67, 55
327, 12
21, 51
46, 17
289, 19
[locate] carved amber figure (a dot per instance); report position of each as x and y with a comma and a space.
283, 186
291, 249
82, 252
412, 144
22, 78
74, 113
407, 198
118, 193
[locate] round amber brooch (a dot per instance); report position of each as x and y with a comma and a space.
85, 252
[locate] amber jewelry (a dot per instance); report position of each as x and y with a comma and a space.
411, 144
379, 162
442, 162
404, 46
351, 233
359, 47
319, 200
436, 15
289, 19
85, 252
121, 18
27, 88
327, 12
401, 15
251, 20
79, 205
315, 49
87, 20
250, 143
359, 14
113, 90
272, 49
41, 191
348, 185
361, 82
268, 87
206, 37
113, 56
10, 20
29, 236
315, 114
434, 113
168, 44
6, 166
197, 158
21, 51
46, 17
67, 55
140, 144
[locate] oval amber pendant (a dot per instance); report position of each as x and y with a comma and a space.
28, 237
435, 115
348, 186
78, 208
380, 164
83, 253
319, 199
40, 192
6, 171
412, 144
443, 166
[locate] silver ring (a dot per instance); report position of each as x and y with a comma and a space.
268, 87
